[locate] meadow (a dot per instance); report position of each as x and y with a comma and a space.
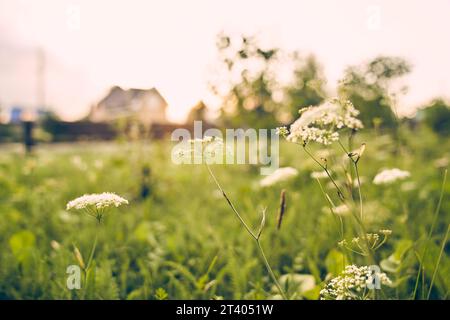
178, 239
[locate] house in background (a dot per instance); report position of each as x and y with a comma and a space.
146, 106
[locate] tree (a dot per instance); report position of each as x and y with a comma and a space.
437, 116
369, 87
307, 88
197, 113
248, 95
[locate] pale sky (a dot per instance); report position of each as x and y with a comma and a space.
92, 45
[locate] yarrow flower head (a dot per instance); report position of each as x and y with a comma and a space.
353, 283
322, 123
389, 176
96, 204
280, 174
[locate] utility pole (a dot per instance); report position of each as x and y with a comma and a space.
28, 118
40, 78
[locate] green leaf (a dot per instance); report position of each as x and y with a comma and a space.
297, 285
390, 264
136, 294
313, 294
22, 243
401, 248
161, 294
90, 281
142, 231
335, 262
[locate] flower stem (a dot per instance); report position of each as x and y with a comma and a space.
230, 203
250, 232
269, 269
339, 192
359, 191
437, 262
430, 233
330, 206
91, 256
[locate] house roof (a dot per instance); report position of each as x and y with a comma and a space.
131, 93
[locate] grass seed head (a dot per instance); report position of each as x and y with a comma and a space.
282, 208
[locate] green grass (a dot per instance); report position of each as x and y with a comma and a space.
184, 242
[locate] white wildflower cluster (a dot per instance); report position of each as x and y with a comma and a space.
321, 123
361, 181
280, 174
96, 201
78, 162
341, 210
55, 245
352, 284
205, 140
207, 148
282, 131
389, 176
319, 175
408, 186
305, 134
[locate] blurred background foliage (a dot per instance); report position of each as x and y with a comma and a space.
369, 87
437, 117
263, 86
258, 95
